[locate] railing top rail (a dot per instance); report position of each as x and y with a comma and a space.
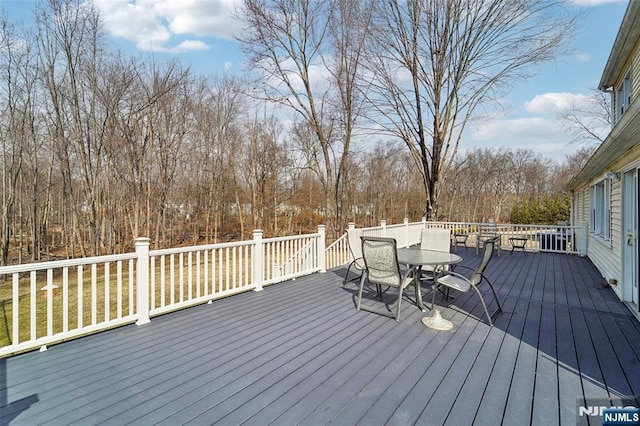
40, 266
178, 250
337, 241
398, 225
289, 238
505, 225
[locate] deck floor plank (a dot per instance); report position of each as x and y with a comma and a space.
493, 403
299, 353
590, 372
464, 408
519, 401
546, 379
612, 372
570, 392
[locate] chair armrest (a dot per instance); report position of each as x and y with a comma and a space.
455, 267
455, 281
408, 276
455, 274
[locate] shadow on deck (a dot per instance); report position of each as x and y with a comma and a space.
299, 353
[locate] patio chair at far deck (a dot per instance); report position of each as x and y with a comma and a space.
434, 239
487, 232
382, 269
457, 281
355, 251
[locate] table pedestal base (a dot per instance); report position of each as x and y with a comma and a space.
436, 322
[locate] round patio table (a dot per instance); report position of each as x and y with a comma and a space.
416, 258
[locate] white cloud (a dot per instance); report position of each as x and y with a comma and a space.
518, 131
583, 57
133, 22
551, 104
189, 45
318, 74
159, 25
200, 17
541, 135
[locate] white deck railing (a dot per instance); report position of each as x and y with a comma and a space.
48, 302
536, 238
539, 238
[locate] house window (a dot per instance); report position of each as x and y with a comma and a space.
623, 97
600, 218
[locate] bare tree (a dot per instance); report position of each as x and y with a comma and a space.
290, 44
349, 23
433, 63
588, 118
264, 160
153, 131
71, 45
11, 136
572, 164
217, 106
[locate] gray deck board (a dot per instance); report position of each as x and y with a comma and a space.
546, 378
628, 358
466, 405
519, 401
299, 353
569, 381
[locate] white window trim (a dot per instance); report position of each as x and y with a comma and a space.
623, 96
600, 210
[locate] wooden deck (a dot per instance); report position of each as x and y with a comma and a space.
299, 353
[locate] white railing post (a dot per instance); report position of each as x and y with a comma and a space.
322, 230
258, 259
142, 250
383, 225
584, 235
405, 243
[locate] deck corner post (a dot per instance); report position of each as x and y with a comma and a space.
584, 235
406, 232
322, 237
257, 260
142, 280
383, 225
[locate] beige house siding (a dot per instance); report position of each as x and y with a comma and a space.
604, 258
635, 74
601, 252
619, 153
607, 255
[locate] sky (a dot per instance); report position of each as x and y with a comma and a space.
200, 34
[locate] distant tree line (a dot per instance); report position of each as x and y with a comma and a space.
99, 148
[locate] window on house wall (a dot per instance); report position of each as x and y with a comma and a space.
600, 217
623, 96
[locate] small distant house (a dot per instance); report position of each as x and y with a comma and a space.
605, 193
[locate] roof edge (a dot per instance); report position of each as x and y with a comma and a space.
627, 36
